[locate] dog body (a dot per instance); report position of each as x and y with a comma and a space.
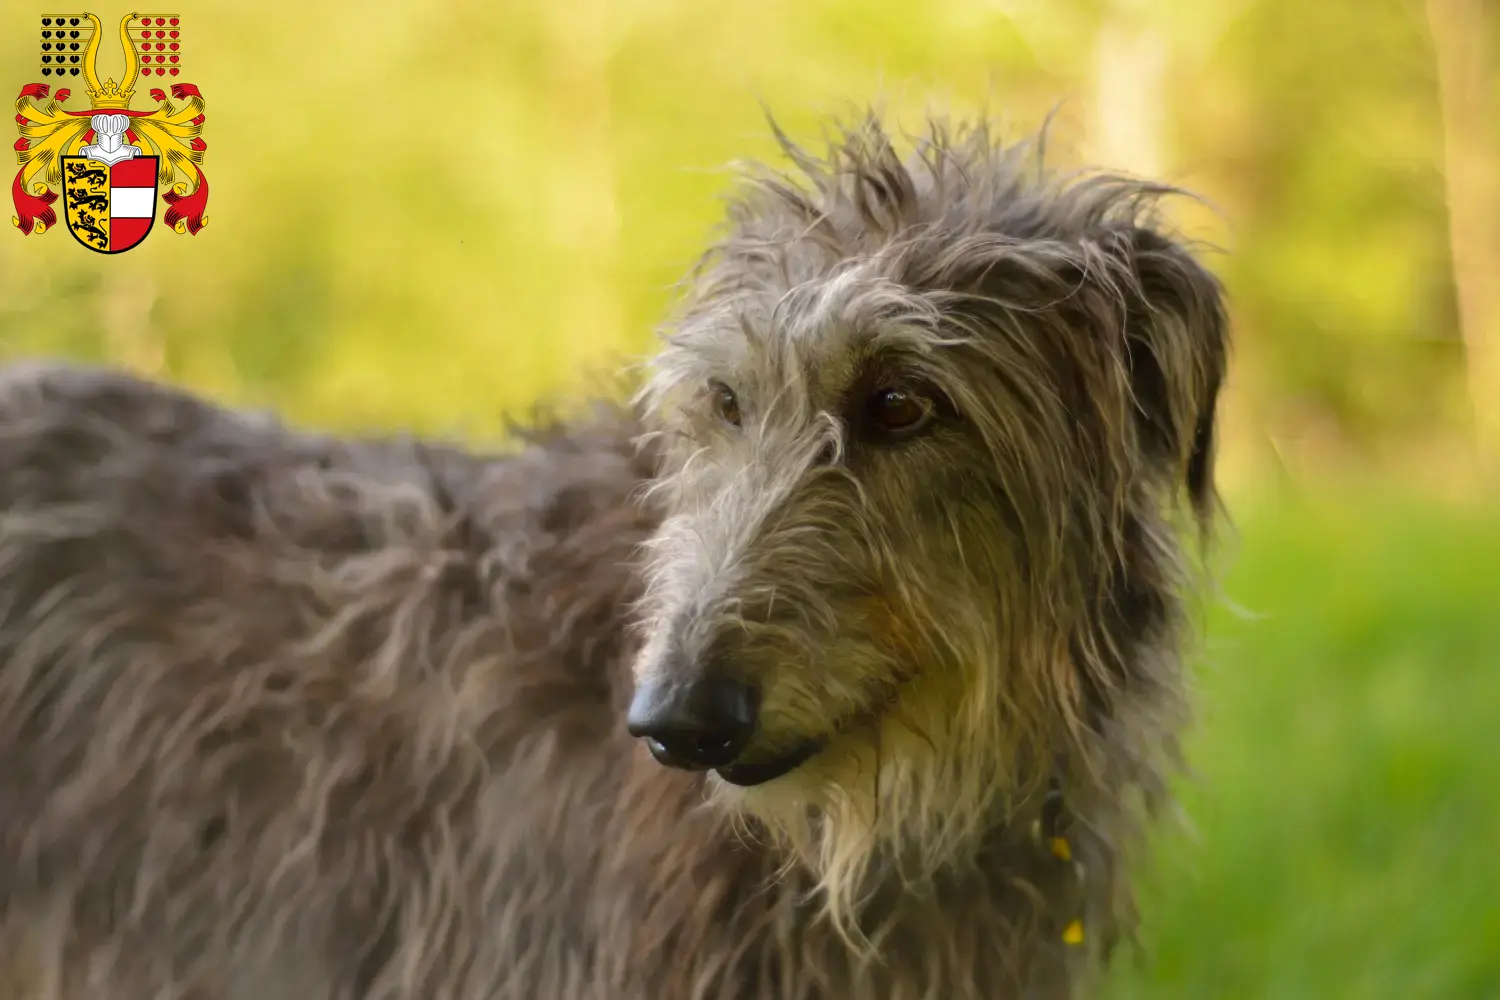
315, 727
288, 715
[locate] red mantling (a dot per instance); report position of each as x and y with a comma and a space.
188, 208
32, 207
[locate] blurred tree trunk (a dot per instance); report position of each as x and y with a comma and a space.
1462, 31
583, 178
1130, 63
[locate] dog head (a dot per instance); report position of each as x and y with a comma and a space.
925, 422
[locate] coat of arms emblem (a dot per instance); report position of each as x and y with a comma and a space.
111, 161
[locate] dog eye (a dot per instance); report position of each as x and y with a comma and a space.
899, 411
726, 405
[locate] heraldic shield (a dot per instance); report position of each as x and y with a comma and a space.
110, 207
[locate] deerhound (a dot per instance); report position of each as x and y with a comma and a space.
887, 561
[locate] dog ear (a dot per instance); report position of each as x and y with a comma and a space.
1176, 354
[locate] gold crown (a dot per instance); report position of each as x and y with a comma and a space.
110, 95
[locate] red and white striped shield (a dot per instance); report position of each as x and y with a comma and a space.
110, 207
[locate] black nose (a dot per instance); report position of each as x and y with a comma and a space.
696, 725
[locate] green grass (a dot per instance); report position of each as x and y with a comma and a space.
1345, 805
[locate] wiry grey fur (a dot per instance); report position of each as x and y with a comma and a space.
289, 716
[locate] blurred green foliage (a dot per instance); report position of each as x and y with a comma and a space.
429, 215
1342, 807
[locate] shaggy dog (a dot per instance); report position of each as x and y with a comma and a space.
883, 562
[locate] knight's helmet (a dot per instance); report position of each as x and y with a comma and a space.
109, 131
